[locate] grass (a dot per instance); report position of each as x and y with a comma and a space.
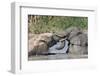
42, 24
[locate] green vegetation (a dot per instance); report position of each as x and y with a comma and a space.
41, 24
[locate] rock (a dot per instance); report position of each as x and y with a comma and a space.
44, 43
83, 40
60, 35
30, 35
39, 48
78, 50
85, 32
68, 33
39, 43
80, 40
56, 38
73, 31
75, 40
47, 37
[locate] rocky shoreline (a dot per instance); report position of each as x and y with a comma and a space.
39, 44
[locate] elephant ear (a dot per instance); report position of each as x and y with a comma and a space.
61, 45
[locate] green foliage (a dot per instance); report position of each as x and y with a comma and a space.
41, 24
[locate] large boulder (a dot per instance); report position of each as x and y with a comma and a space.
60, 35
73, 31
79, 44
30, 35
67, 34
47, 42
39, 44
80, 40
78, 50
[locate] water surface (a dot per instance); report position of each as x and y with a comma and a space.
57, 56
